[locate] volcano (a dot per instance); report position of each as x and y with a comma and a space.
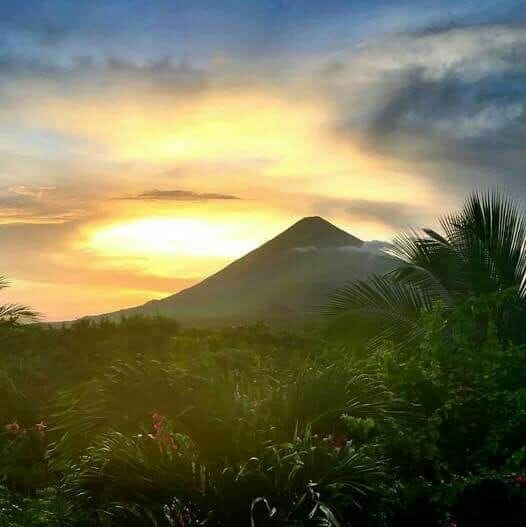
285, 280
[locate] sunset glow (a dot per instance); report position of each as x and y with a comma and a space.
262, 262
161, 236
169, 159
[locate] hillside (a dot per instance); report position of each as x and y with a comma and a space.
286, 279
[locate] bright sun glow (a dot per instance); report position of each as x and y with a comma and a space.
171, 236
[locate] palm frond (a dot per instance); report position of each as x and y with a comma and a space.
17, 313
491, 236
14, 313
4, 282
395, 306
482, 251
427, 260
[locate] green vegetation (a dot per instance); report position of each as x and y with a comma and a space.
419, 419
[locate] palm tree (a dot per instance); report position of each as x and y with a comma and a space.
481, 250
14, 313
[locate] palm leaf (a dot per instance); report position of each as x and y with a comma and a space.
482, 250
395, 306
4, 282
491, 239
14, 312
18, 313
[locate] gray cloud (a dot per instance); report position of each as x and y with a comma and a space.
395, 214
178, 195
35, 205
20, 198
372, 247
450, 101
452, 108
477, 127
86, 74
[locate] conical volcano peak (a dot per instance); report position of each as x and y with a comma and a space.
275, 282
312, 231
312, 222
312, 219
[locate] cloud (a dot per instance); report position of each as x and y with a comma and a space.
23, 197
369, 253
37, 193
87, 75
178, 195
451, 108
448, 102
35, 205
392, 213
372, 247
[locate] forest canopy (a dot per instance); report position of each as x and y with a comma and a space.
404, 404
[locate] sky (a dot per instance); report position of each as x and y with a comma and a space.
145, 144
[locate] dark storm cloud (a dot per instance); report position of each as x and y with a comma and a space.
178, 195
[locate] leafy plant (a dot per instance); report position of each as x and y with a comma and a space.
481, 250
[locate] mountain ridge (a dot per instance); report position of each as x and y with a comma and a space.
278, 282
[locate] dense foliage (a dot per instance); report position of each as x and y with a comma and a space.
481, 250
145, 423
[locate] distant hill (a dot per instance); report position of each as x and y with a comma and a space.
284, 280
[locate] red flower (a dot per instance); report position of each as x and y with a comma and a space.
157, 417
157, 423
41, 428
168, 439
339, 441
13, 428
520, 480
